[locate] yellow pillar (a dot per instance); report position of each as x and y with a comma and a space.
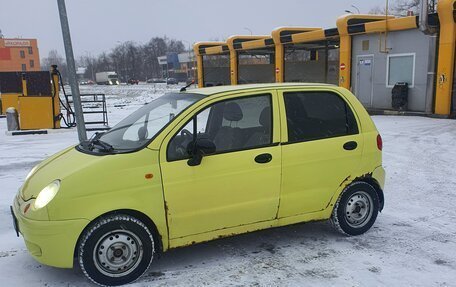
199, 70
344, 53
345, 61
279, 63
445, 64
280, 50
24, 85
279, 56
233, 60
199, 65
199, 58
233, 66
55, 96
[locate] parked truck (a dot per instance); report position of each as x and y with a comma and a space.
107, 78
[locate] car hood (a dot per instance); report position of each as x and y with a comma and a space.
58, 166
82, 174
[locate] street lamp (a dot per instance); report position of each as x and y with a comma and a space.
250, 31
357, 9
353, 6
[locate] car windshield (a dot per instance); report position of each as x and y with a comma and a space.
140, 127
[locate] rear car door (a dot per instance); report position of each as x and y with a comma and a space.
321, 148
240, 183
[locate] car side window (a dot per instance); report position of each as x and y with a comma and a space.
232, 125
318, 115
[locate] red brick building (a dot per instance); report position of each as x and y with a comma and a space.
19, 55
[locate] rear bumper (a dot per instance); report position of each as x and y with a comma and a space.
379, 176
50, 242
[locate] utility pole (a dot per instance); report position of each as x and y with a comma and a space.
80, 124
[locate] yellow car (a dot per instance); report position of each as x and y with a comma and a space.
199, 165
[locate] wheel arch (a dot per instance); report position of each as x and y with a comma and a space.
138, 215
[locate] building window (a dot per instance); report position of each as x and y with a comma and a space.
24, 67
32, 64
30, 50
400, 68
22, 52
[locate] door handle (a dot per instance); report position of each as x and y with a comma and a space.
351, 145
263, 158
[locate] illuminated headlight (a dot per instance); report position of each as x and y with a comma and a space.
47, 194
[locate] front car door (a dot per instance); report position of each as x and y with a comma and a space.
322, 148
240, 183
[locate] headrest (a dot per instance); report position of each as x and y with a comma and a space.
232, 112
265, 117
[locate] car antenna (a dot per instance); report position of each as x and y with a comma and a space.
185, 88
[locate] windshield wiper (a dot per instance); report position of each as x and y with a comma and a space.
104, 145
95, 141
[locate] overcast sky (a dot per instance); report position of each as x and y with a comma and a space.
98, 25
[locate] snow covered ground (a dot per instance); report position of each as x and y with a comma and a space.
413, 242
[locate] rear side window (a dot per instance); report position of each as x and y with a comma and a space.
318, 115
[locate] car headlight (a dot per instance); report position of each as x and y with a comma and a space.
47, 194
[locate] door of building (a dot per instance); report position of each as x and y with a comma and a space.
364, 84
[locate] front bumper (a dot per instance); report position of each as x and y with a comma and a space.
49, 242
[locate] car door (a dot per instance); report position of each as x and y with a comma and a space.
321, 148
237, 185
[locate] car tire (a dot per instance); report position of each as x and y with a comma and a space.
116, 250
356, 209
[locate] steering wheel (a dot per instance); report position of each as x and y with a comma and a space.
187, 137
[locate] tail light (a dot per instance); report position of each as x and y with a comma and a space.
379, 142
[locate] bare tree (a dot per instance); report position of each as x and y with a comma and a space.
174, 46
155, 48
54, 58
88, 62
401, 7
129, 59
103, 63
377, 10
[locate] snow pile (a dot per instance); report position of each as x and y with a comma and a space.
413, 242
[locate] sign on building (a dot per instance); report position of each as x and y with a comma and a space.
17, 43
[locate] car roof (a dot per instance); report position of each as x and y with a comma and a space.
222, 89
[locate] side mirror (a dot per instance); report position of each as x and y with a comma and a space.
200, 148
142, 133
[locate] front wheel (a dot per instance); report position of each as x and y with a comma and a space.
116, 250
356, 210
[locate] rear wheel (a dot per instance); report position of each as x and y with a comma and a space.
116, 250
356, 210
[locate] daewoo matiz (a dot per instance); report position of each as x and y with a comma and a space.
199, 165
